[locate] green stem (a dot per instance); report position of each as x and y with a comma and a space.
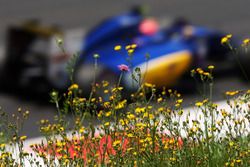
120, 78
241, 68
95, 68
238, 62
211, 91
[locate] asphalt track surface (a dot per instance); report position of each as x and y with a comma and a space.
227, 15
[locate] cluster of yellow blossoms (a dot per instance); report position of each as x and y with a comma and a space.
129, 48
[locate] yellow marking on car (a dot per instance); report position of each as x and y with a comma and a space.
167, 69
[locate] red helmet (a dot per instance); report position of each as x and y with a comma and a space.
149, 26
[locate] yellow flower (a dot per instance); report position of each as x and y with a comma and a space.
145, 115
141, 141
130, 135
122, 122
99, 114
82, 99
133, 46
129, 149
130, 51
232, 93
224, 113
117, 142
166, 146
70, 93
61, 129
219, 123
151, 116
150, 107
177, 105
81, 130
161, 109
179, 101
180, 112
210, 67
105, 83
107, 114
66, 162
194, 129
93, 99
226, 39
117, 47
172, 159
42, 121
121, 105
193, 72
131, 116
246, 41
238, 160
140, 124
248, 91
128, 47
214, 105
106, 104
117, 89
229, 35
206, 73
205, 101
198, 104
22, 138
149, 85
106, 124
59, 150
139, 110
159, 100
200, 71
111, 98
73, 87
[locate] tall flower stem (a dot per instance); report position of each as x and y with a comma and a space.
120, 78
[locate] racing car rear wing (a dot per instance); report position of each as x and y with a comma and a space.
33, 26
20, 39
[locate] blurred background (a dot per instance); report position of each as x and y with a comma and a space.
79, 16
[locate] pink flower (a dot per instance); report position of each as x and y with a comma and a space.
123, 67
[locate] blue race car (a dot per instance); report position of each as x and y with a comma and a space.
165, 55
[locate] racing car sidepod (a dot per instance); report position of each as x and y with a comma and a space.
165, 70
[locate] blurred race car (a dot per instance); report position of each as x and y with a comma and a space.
173, 51
34, 61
